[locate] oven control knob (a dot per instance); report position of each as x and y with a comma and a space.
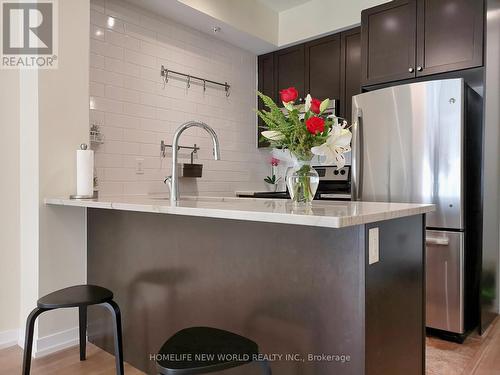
336, 172
342, 172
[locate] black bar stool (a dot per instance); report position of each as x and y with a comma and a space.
79, 296
201, 350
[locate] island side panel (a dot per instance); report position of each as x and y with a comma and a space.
395, 299
292, 289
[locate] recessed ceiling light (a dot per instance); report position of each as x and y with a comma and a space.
216, 29
111, 22
98, 32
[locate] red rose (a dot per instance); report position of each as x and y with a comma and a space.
289, 95
315, 104
315, 125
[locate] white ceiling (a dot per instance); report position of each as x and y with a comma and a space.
281, 5
188, 16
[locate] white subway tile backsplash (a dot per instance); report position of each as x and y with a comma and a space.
108, 160
110, 188
120, 174
106, 105
96, 61
136, 110
111, 133
139, 110
140, 58
123, 148
121, 121
122, 67
141, 136
96, 89
121, 40
100, 47
97, 5
140, 32
97, 32
125, 95
97, 117
111, 78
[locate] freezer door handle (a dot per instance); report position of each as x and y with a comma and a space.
356, 155
437, 241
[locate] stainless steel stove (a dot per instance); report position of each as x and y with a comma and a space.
334, 184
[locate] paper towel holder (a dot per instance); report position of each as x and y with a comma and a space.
84, 146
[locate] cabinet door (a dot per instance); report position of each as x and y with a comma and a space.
322, 69
388, 40
266, 86
450, 35
289, 69
350, 71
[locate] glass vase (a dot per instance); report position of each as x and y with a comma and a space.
302, 181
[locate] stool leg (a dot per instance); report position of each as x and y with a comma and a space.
266, 369
117, 322
82, 312
28, 339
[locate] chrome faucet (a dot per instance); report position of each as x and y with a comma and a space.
173, 181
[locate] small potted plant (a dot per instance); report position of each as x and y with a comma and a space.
305, 131
273, 180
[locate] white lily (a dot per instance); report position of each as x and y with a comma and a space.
336, 145
307, 105
273, 135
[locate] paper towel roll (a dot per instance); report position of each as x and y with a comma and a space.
84, 172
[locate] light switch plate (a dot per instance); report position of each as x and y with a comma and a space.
373, 246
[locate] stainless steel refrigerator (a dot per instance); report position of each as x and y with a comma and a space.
411, 144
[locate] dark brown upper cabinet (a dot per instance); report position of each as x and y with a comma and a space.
322, 68
388, 36
404, 39
449, 35
266, 86
329, 67
289, 70
350, 73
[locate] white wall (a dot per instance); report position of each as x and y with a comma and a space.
318, 17
9, 217
136, 113
54, 120
64, 125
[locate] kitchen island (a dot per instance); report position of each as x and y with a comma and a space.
334, 289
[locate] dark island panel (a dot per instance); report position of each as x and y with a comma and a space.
293, 289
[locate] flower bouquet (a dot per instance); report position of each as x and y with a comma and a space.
305, 131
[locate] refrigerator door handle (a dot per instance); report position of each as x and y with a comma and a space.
439, 241
356, 156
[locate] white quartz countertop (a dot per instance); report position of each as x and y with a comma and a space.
322, 213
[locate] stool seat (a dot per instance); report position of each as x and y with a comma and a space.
182, 353
75, 296
80, 296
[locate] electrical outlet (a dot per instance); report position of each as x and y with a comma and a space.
373, 246
139, 166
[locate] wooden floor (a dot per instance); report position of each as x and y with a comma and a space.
477, 356
65, 362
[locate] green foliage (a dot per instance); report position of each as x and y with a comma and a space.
272, 180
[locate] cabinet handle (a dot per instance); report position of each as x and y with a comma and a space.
419, 68
411, 70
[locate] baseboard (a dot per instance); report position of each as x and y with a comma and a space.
8, 338
56, 342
